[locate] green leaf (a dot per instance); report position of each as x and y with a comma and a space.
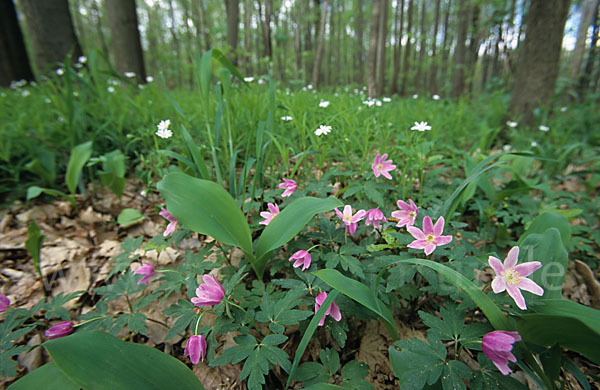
97, 360
44, 165
79, 156
545, 221
361, 294
449, 327
35, 191
219, 56
205, 207
355, 370
113, 171
47, 377
287, 224
330, 360
33, 244
196, 154
416, 362
129, 217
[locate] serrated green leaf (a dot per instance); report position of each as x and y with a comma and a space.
418, 362
330, 360
355, 370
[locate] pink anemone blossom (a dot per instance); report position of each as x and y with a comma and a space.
209, 293
497, 346
195, 348
381, 166
333, 310
375, 216
173, 221
302, 258
430, 237
407, 213
512, 277
4, 303
147, 270
61, 329
349, 220
289, 186
269, 215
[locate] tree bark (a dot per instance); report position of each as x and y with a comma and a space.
474, 42
420, 78
267, 12
319, 54
298, 41
445, 49
125, 37
14, 62
587, 18
381, 39
359, 41
586, 76
433, 72
458, 79
406, 66
538, 60
51, 32
98, 26
372, 61
232, 8
399, 23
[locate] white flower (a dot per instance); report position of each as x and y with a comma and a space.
261, 81
75, 93
47, 100
512, 124
507, 148
304, 88
286, 118
544, 128
129, 74
164, 133
436, 97
164, 125
309, 86
534, 144
322, 130
60, 71
364, 88
25, 93
421, 126
248, 79
110, 89
18, 84
387, 99
563, 109
369, 102
378, 102
415, 96
323, 103
82, 59
149, 79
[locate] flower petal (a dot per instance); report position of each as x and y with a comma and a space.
427, 225
416, 232
498, 285
512, 258
515, 294
418, 244
439, 227
531, 286
528, 268
443, 240
496, 264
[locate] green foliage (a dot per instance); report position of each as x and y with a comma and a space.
112, 174
79, 156
33, 244
129, 217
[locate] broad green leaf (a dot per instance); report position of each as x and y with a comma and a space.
204, 72
129, 217
97, 360
79, 156
287, 224
416, 362
205, 207
196, 154
219, 56
361, 294
47, 377
113, 171
545, 221
44, 165
33, 244
35, 191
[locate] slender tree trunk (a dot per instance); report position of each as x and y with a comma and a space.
538, 60
51, 32
372, 64
381, 40
267, 13
319, 54
330, 59
420, 78
247, 56
586, 76
496, 60
474, 43
79, 29
458, 79
175, 41
445, 41
406, 66
340, 32
98, 26
359, 41
399, 23
14, 62
307, 39
232, 9
433, 72
587, 18
485, 64
125, 37
298, 41
205, 24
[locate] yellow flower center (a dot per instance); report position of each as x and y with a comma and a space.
411, 214
379, 167
511, 277
430, 238
348, 218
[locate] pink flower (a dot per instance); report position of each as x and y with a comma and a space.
195, 348
302, 258
512, 277
431, 236
350, 221
375, 216
147, 270
171, 226
497, 346
4, 303
268, 216
381, 166
407, 213
289, 186
333, 310
209, 293
59, 330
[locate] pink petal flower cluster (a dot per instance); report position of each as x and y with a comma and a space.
289, 186
4, 303
407, 213
195, 348
381, 166
61, 329
497, 346
209, 293
512, 277
147, 270
375, 216
349, 220
302, 258
430, 237
173, 221
269, 215
333, 310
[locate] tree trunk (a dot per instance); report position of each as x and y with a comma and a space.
297, 41
372, 61
458, 79
406, 66
175, 41
445, 49
204, 23
433, 72
51, 32
420, 78
267, 12
474, 42
587, 18
98, 26
382, 37
398, 27
125, 37
232, 8
329, 72
359, 41
14, 63
538, 60
586, 76
248, 63
319, 54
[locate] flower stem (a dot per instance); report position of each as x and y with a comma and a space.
241, 308
90, 320
198, 323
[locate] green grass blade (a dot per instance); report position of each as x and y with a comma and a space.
33, 244
79, 156
195, 153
